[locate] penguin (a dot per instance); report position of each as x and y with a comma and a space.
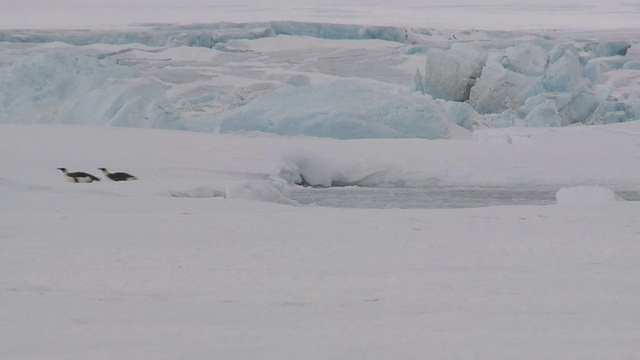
118, 176
78, 176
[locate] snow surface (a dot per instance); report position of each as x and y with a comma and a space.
210, 254
207, 255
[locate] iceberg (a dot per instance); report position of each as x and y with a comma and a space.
499, 89
543, 115
570, 108
612, 48
525, 59
564, 72
450, 74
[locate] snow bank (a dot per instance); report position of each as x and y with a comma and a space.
586, 195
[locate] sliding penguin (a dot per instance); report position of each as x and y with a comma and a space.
118, 176
78, 176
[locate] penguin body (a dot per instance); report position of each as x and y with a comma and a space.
118, 176
78, 176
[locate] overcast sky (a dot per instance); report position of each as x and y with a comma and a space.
485, 14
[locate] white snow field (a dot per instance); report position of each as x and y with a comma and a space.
485, 206
206, 256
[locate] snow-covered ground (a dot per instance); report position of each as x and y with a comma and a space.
207, 256
216, 253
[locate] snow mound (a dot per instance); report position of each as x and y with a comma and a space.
586, 195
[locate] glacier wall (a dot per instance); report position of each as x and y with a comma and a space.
329, 80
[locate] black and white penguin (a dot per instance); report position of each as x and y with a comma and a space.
118, 176
78, 176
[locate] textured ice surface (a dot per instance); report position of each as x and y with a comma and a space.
449, 75
330, 80
343, 110
499, 89
66, 87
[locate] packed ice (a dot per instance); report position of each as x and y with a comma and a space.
71, 88
342, 81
